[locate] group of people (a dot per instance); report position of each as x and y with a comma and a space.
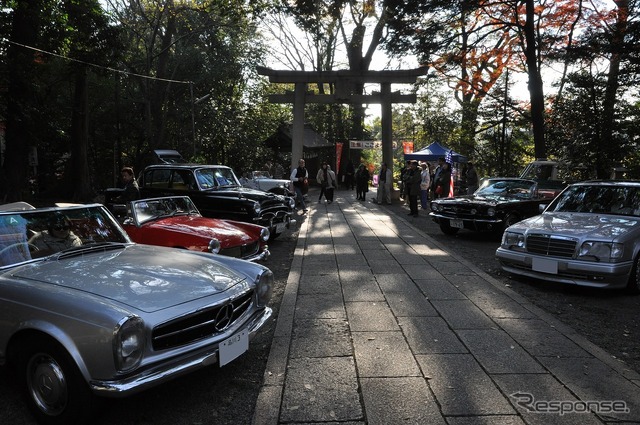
416, 182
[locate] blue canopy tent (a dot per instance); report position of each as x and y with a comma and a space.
432, 152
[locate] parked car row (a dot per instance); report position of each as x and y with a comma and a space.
109, 300
587, 235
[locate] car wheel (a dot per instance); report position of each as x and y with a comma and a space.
447, 229
633, 286
56, 392
510, 219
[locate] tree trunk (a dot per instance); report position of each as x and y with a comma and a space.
26, 26
79, 139
536, 91
608, 146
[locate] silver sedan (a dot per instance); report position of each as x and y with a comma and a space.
589, 236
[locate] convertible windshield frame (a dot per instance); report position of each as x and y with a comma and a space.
153, 209
522, 189
33, 234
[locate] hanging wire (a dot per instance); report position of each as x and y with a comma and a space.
95, 65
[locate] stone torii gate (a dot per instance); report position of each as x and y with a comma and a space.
343, 82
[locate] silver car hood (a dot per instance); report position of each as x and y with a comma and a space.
598, 226
140, 276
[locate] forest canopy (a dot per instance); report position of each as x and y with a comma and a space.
89, 86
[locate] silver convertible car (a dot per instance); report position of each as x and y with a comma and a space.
589, 235
86, 312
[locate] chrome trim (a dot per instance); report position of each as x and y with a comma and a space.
167, 371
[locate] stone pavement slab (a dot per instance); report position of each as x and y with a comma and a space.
379, 324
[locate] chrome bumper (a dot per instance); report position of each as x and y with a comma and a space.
169, 370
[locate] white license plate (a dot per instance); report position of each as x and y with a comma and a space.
233, 346
458, 224
544, 265
281, 227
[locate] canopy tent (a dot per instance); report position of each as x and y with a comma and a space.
432, 152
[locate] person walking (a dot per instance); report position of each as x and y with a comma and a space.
327, 180
299, 178
385, 182
425, 185
412, 187
362, 182
472, 179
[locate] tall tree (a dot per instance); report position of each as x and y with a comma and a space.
26, 27
353, 20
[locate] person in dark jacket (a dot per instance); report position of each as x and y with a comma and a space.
300, 178
443, 181
362, 182
412, 186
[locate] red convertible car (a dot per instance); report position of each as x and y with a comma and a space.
175, 221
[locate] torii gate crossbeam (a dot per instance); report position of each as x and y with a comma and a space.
343, 81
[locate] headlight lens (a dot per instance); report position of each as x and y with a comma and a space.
128, 344
435, 207
292, 202
491, 211
214, 246
511, 240
601, 250
264, 286
256, 208
265, 234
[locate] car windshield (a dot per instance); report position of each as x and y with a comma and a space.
147, 210
36, 233
599, 199
261, 175
209, 178
523, 189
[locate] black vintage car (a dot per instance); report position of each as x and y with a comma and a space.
217, 193
497, 204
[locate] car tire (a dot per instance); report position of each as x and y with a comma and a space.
447, 229
509, 220
633, 286
56, 391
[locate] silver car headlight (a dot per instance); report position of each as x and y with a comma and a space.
264, 286
128, 343
512, 240
292, 202
435, 207
265, 234
602, 251
214, 246
491, 211
256, 208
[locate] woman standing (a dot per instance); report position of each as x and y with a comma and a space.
425, 184
327, 180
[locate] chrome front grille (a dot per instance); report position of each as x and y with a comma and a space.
551, 246
201, 324
241, 251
